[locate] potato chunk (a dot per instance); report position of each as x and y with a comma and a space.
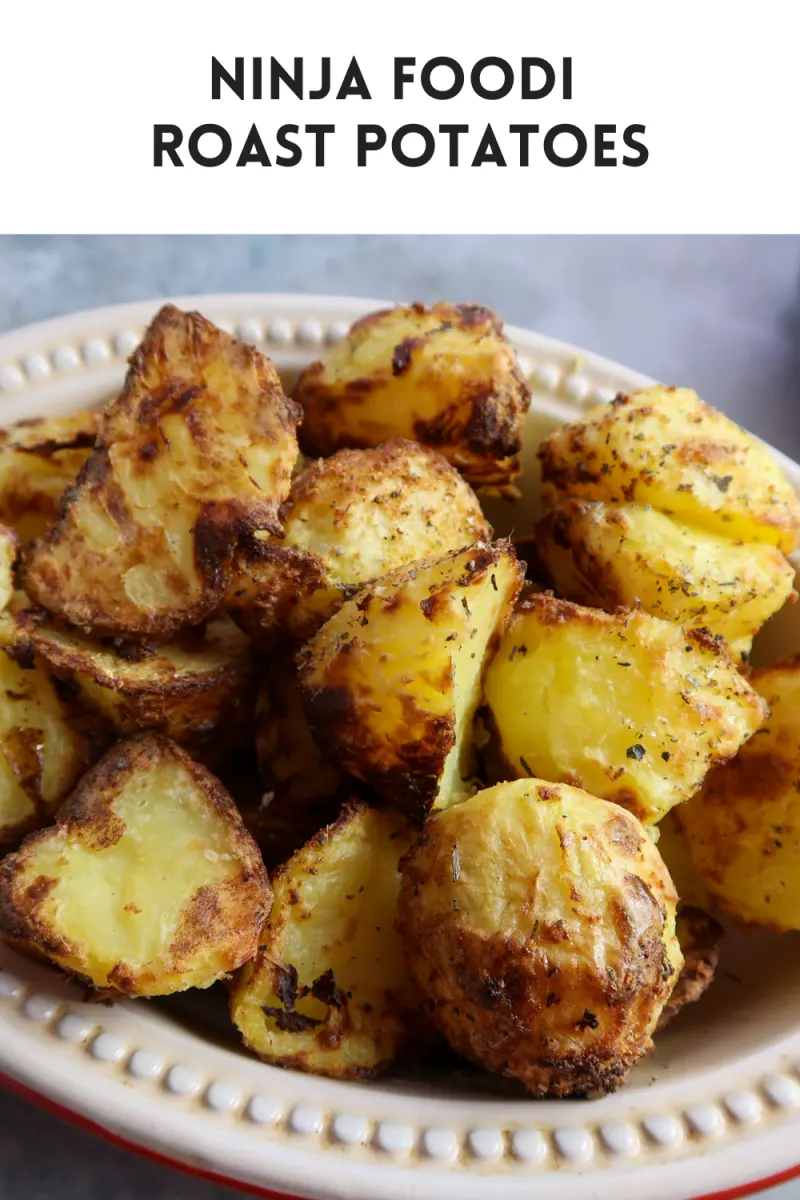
391, 683
195, 453
148, 884
199, 689
39, 460
349, 519
8, 557
743, 828
631, 708
446, 377
665, 447
45, 745
699, 937
329, 991
607, 555
539, 923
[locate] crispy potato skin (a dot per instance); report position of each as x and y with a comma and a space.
199, 690
201, 418
699, 936
446, 377
39, 460
391, 682
349, 519
634, 709
665, 447
743, 828
45, 743
539, 924
610, 555
105, 878
329, 990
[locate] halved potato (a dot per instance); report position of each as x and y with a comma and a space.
349, 519
699, 937
607, 555
199, 689
148, 884
195, 454
329, 990
743, 828
633, 709
446, 377
665, 447
391, 683
39, 460
45, 744
539, 924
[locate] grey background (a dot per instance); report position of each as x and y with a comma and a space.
719, 314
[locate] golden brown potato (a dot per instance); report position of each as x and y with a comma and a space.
195, 454
446, 377
391, 683
665, 447
147, 884
199, 689
633, 709
539, 923
674, 849
8, 557
743, 828
699, 937
349, 519
329, 991
39, 460
45, 744
608, 555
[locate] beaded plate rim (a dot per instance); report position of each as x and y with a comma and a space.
131, 1072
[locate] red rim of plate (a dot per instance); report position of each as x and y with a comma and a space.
45, 1104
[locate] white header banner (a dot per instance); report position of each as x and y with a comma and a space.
581, 116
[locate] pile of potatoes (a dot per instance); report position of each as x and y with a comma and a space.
447, 801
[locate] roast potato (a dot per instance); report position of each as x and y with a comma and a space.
45, 743
195, 453
743, 828
8, 557
539, 923
607, 555
665, 447
329, 990
391, 682
349, 519
674, 849
445, 376
147, 884
39, 460
198, 689
633, 709
699, 936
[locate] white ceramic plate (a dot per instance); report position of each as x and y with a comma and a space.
714, 1111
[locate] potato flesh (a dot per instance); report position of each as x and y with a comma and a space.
407, 655
611, 555
197, 449
39, 460
630, 708
8, 555
512, 914
334, 910
147, 884
665, 447
743, 828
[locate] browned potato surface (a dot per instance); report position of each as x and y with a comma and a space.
329, 990
147, 884
664, 447
349, 519
198, 689
8, 557
446, 377
195, 454
699, 936
39, 460
632, 708
392, 681
539, 924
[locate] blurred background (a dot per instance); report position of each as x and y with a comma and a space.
720, 314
